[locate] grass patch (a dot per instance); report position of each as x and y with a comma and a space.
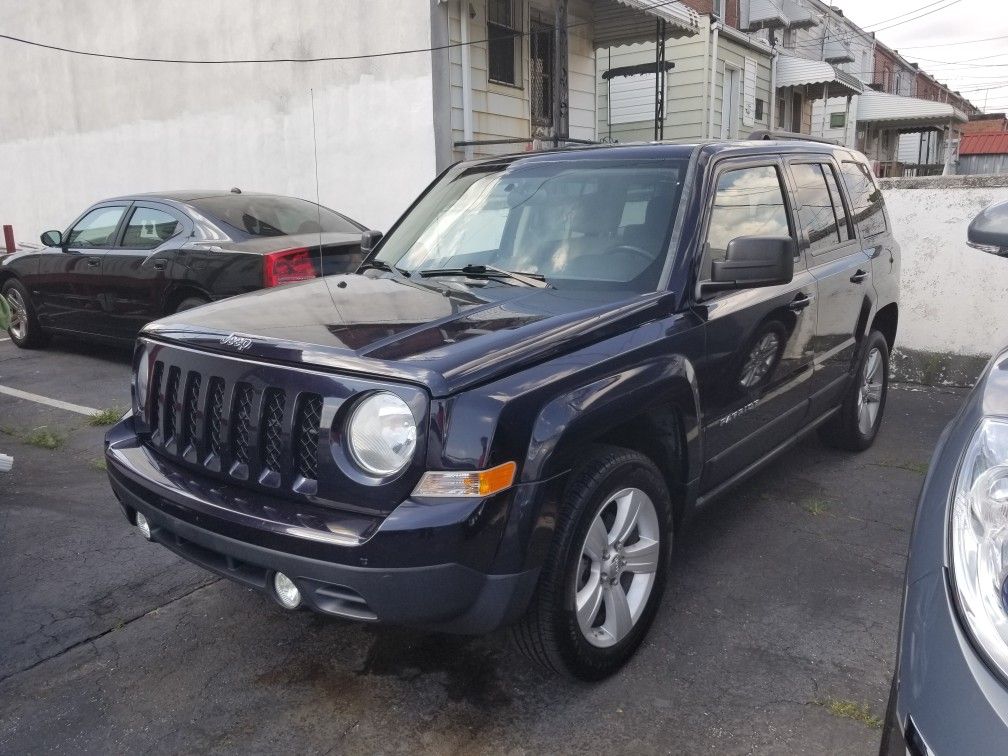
98, 464
105, 416
43, 438
920, 468
815, 507
845, 709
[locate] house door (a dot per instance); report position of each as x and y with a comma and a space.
730, 103
541, 77
796, 112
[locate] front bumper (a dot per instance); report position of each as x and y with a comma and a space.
426, 565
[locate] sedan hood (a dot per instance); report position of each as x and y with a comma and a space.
440, 333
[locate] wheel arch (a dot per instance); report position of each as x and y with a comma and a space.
175, 295
886, 320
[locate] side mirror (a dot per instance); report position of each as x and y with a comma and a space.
369, 240
989, 230
52, 238
753, 261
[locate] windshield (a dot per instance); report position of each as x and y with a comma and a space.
580, 224
263, 215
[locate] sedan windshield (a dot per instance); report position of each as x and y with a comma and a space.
264, 215
578, 224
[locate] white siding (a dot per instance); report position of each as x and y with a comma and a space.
504, 112
686, 106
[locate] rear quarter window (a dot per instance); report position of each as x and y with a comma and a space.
866, 198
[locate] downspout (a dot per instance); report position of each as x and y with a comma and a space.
715, 26
772, 118
467, 114
707, 86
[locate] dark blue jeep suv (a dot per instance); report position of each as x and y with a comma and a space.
504, 415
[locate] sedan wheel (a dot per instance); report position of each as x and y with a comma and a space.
19, 315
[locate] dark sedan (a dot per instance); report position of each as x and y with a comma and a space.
129, 260
950, 690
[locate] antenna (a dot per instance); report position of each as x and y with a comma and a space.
318, 200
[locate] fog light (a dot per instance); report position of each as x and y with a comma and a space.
286, 592
143, 525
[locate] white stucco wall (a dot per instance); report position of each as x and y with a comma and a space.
954, 299
76, 129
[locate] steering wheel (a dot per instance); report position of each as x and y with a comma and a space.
647, 256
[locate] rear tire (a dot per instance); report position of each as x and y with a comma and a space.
24, 329
856, 425
189, 303
603, 579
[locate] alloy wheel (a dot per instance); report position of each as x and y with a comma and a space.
761, 360
870, 394
619, 559
19, 315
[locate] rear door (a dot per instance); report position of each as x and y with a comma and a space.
754, 382
68, 282
137, 270
842, 272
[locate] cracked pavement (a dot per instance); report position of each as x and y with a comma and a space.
784, 594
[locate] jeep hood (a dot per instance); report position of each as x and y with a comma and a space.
441, 333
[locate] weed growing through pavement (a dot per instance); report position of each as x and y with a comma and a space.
43, 438
845, 709
98, 464
105, 416
815, 506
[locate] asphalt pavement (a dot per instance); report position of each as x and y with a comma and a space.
777, 633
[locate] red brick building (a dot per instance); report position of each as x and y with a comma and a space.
986, 123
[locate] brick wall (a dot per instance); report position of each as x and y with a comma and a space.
706, 7
993, 123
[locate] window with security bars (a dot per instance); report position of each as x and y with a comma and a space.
541, 73
504, 35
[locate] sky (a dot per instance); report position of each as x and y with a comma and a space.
957, 65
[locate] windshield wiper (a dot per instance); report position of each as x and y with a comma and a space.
381, 265
489, 271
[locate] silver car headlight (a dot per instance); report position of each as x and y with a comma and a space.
381, 434
980, 540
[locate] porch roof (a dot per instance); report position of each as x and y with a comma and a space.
905, 113
796, 72
625, 22
778, 14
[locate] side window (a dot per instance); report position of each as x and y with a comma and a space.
815, 208
97, 228
747, 202
865, 197
843, 224
149, 228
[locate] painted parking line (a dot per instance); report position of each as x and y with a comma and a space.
78, 408
4, 339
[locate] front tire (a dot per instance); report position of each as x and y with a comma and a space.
24, 329
603, 580
856, 425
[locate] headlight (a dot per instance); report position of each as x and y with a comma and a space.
980, 540
381, 434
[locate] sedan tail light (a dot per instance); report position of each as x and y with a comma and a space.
286, 266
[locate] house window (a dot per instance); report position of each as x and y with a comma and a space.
789, 38
541, 73
504, 41
759, 109
717, 8
837, 120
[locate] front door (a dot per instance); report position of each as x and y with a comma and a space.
136, 272
754, 382
68, 282
843, 274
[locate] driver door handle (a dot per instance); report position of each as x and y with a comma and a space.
860, 276
93, 262
160, 264
800, 302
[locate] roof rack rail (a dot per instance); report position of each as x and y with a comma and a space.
764, 134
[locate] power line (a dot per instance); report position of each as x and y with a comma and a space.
950, 44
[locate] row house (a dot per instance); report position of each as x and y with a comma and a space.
909, 124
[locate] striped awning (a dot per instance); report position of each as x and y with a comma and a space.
626, 22
796, 72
